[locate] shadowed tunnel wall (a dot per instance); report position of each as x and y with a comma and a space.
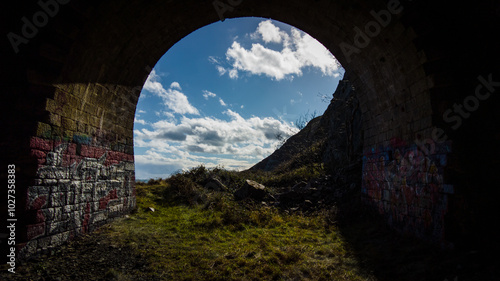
72, 72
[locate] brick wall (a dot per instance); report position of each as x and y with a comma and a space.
80, 184
404, 182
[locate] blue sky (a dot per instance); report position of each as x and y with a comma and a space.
222, 94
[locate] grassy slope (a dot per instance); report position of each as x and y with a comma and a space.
227, 241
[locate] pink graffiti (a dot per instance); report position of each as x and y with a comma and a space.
74, 186
103, 202
405, 184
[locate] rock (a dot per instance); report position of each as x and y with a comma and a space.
250, 189
215, 184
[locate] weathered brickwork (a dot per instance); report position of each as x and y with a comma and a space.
404, 182
77, 188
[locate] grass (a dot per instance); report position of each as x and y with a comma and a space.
199, 234
224, 240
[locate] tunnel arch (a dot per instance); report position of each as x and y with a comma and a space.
83, 70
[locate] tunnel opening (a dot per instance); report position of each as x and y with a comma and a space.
232, 102
83, 69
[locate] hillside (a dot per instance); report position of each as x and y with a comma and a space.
333, 139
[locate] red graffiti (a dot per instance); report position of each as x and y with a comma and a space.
86, 218
103, 202
39, 202
75, 176
405, 184
40, 217
40, 147
34, 230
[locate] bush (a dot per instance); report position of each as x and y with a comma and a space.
154, 181
181, 188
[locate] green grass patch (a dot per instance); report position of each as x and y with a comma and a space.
220, 239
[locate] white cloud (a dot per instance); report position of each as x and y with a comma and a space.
172, 97
222, 102
140, 121
190, 141
299, 51
270, 33
242, 106
233, 74
175, 85
208, 94
221, 70
212, 59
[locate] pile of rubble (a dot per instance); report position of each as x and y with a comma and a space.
304, 196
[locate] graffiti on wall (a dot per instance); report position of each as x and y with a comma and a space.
77, 187
405, 183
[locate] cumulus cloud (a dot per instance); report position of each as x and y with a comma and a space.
235, 143
208, 94
299, 50
237, 136
140, 121
270, 33
173, 98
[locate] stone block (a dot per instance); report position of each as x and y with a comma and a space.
43, 130
57, 199
99, 216
81, 127
60, 238
68, 135
35, 230
58, 213
68, 124
64, 185
55, 119
56, 227
129, 166
68, 208
44, 242
51, 106
70, 198
88, 188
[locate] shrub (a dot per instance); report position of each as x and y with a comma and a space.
154, 181
180, 188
